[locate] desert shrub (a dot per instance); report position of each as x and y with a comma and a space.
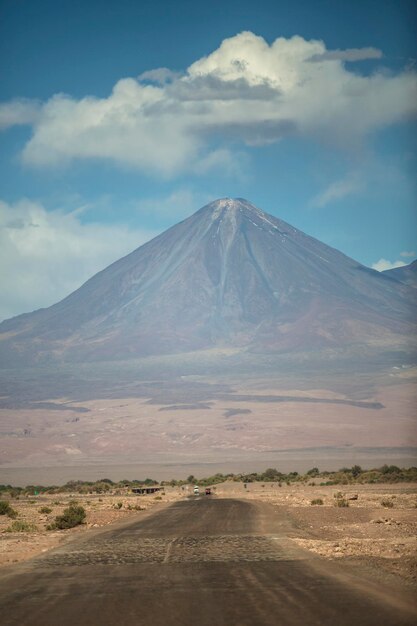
158, 498
387, 504
72, 516
134, 507
45, 509
341, 502
118, 505
6, 509
21, 527
317, 501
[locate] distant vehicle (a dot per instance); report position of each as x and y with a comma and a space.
208, 491
196, 491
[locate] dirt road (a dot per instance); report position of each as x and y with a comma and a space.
202, 562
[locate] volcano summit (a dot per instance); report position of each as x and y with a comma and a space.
228, 276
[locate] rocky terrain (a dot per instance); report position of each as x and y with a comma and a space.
369, 532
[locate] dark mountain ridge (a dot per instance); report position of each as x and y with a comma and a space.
228, 276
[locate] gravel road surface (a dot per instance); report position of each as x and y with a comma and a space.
201, 562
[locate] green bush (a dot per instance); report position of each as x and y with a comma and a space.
72, 516
6, 509
21, 527
317, 501
45, 509
387, 504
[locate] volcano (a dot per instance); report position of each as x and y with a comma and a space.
229, 276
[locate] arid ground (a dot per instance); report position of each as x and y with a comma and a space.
246, 555
179, 422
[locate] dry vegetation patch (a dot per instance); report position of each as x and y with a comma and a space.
27, 535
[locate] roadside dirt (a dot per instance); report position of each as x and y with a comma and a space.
382, 537
377, 530
207, 560
102, 510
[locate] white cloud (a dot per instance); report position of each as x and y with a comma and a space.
338, 190
46, 255
19, 112
351, 54
161, 75
384, 264
246, 92
408, 255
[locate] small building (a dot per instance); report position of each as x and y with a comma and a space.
141, 491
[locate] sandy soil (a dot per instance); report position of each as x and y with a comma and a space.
112, 431
366, 532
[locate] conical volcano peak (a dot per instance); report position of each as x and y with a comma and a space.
224, 206
229, 275
231, 205
239, 210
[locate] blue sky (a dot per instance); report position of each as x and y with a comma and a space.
307, 109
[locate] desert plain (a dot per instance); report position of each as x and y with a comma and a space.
377, 531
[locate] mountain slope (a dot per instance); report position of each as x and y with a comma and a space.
406, 274
229, 275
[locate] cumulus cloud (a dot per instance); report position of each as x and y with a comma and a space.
351, 54
19, 112
384, 264
159, 75
246, 92
46, 255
